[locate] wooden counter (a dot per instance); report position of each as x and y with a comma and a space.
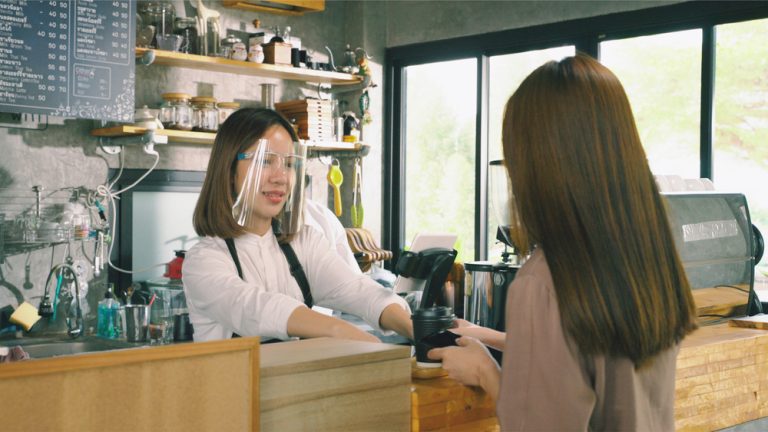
722, 381
442, 404
317, 384
722, 378
335, 385
184, 387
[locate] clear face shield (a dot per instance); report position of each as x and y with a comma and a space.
271, 186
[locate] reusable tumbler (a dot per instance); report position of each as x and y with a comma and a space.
182, 328
136, 323
427, 322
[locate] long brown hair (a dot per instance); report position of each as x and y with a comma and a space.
213, 212
583, 191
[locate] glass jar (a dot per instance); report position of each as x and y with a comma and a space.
176, 112
205, 114
187, 29
225, 109
228, 46
158, 14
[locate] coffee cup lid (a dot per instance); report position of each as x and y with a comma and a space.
436, 312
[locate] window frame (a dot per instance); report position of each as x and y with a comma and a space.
585, 34
156, 181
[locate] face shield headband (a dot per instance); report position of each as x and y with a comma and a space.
273, 187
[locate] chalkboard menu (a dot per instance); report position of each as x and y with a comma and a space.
69, 58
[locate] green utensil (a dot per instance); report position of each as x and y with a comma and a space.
356, 212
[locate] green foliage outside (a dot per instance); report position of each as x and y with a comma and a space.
741, 117
440, 152
661, 75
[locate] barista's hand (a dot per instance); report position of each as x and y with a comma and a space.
470, 363
306, 323
345, 330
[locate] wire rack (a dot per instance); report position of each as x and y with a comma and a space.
32, 217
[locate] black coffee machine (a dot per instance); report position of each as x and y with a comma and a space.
486, 282
485, 286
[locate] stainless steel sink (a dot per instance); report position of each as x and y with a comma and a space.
47, 347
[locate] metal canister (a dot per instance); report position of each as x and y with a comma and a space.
485, 292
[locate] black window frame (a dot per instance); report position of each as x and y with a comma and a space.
585, 34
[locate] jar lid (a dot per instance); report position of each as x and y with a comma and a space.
175, 96
231, 39
233, 105
203, 100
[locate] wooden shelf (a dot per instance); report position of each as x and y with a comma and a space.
279, 7
174, 136
190, 137
360, 149
218, 64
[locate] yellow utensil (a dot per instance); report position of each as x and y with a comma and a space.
335, 179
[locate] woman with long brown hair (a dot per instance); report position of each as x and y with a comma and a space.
595, 316
258, 269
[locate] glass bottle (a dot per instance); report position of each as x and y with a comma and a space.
205, 114
159, 15
226, 109
176, 112
228, 46
187, 28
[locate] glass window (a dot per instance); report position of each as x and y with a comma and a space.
740, 156
440, 151
506, 73
662, 77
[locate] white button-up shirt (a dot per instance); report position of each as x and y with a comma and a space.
221, 303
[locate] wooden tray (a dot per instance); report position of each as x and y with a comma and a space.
759, 321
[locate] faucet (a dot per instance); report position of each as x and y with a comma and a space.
75, 324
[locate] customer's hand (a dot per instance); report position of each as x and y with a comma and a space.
492, 338
470, 363
461, 323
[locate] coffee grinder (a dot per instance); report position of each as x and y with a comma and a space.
486, 282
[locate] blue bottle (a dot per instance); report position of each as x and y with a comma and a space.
108, 314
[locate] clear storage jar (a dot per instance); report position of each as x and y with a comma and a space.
176, 111
205, 114
187, 29
226, 109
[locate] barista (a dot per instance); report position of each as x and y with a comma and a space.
252, 195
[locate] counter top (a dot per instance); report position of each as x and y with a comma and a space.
335, 384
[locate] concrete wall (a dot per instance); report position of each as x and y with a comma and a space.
65, 155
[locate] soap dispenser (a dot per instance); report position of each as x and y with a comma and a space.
108, 316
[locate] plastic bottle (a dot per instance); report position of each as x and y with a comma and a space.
108, 314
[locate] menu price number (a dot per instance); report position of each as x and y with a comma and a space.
56, 14
52, 46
